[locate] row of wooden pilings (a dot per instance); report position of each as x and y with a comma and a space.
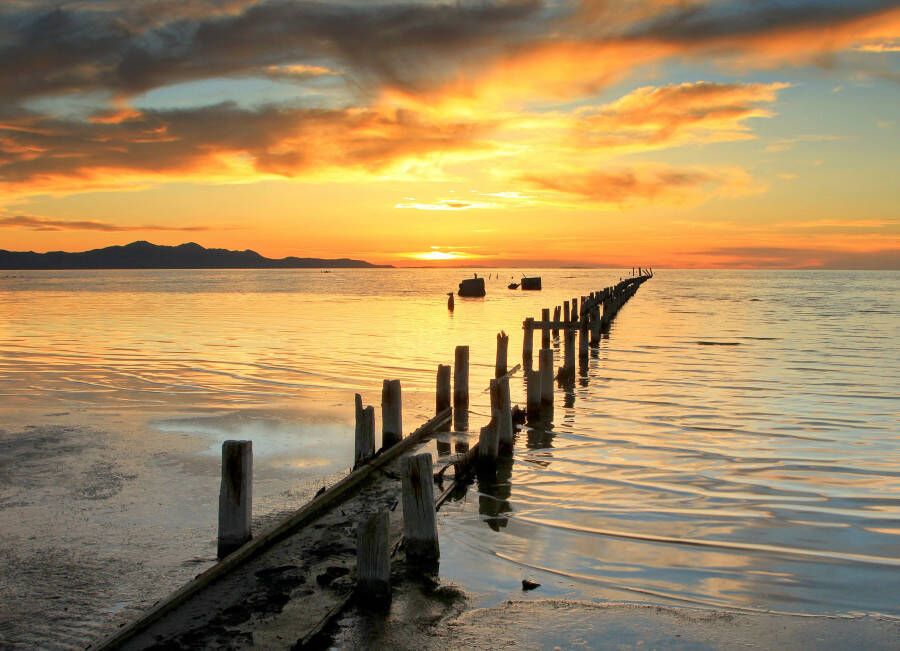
588, 317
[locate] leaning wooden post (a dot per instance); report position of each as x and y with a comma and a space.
235, 496
373, 559
461, 379
545, 328
527, 342
556, 322
419, 521
489, 442
391, 413
365, 433
533, 392
502, 348
442, 396
546, 369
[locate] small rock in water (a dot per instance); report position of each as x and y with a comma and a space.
529, 585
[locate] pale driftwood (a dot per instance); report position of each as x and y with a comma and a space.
489, 442
533, 392
365, 433
545, 328
419, 521
391, 413
546, 369
235, 496
527, 342
373, 560
502, 348
306, 514
442, 396
461, 379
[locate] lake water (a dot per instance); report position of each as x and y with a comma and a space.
733, 442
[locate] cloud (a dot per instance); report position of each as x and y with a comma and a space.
445, 205
31, 223
698, 112
219, 142
644, 184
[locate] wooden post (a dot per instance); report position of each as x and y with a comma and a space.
545, 329
555, 322
595, 326
574, 309
442, 397
461, 379
546, 369
235, 496
533, 392
504, 421
583, 339
569, 363
566, 311
391, 413
419, 521
527, 342
489, 442
365, 433
373, 560
502, 347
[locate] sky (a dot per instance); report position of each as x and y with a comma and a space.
664, 133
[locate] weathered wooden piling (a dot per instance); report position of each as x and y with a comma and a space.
545, 362
574, 309
489, 442
583, 334
532, 392
235, 496
527, 342
556, 321
419, 521
568, 368
545, 328
461, 379
504, 420
442, 396
566, 312
365, 433
502, 348
595, 326
373, 560
391, 413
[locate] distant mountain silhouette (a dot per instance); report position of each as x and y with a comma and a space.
144, 255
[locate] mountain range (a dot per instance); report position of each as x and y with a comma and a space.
144, 255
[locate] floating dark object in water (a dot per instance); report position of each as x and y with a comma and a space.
472, 287
450, 301
532, 283
529, 585
512, 286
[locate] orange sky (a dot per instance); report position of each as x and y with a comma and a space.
647, 132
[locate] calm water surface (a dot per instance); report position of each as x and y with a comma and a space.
733, 442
